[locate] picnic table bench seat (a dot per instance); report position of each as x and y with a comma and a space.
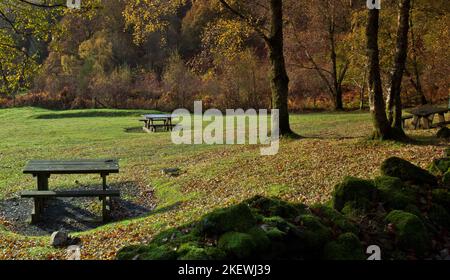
154, 121
43, 169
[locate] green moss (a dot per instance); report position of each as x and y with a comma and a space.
260, 238
237, 244
335, 219
410, 232
276, 207
191, 251
439, 166
353, 209
442, 197
439, 216
131, 252
274, 233
215, 253
446, 179
363, 192
234, 218
393, 193
346, 247
312, 236
406, 171
151, 252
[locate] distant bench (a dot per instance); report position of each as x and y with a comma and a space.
154, 121
43, 169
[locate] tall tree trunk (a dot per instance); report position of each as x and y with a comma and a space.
382, 129
394, 102
337, 89
417, 84
279, 77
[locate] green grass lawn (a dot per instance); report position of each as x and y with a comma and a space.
304, 170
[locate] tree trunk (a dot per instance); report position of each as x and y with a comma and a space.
394, 103
336, 86
382, 129
417, 84
279, 77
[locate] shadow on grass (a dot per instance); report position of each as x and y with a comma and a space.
93, 114
78, 214
136, 129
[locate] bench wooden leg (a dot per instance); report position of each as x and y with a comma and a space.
106, 209
37, 210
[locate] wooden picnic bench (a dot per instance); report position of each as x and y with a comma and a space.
423, 116
43, 169
154, 121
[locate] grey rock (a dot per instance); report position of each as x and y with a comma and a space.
171, 171
444, 253
59, 239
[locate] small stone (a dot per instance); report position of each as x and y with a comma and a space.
444, 253
59, 239
171, 171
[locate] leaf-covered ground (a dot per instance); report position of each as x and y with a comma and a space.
304, 170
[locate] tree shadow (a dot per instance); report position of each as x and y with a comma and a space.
135, 129
93, 114
78, 214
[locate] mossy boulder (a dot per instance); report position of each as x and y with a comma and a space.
334, 219
311, 237
446, 179
235, 218
276, 207
192, 252
410, 232
393, 193
443, 133
441, 197
151, 252
237, 244
260, 238
407, 172
439, 216
346, 247
362, 192
439, 166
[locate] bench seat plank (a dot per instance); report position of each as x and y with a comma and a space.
72, 166
83, 193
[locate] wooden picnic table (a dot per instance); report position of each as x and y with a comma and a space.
153, 121
425, 115
43, 169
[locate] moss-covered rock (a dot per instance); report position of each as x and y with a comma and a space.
441, 197
276, 207
334, 219
151, 252
235, 218
361, 192
193, 252
260, 238
393, 193
237, 244
443, 133
346, 247
411, 233
446, 179
407, 172
311, 237
439, 166
439, 216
